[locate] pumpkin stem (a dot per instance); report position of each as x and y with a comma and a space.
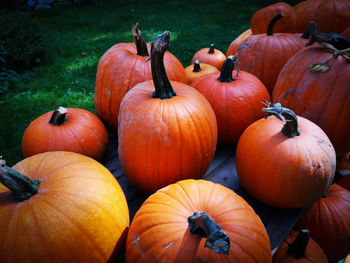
286, 115
211, 49
58, 117
201, 224
272, 23
196, 66
21, 186
139, 41
298, 247
159, 46
227, 68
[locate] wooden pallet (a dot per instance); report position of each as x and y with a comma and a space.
278, 222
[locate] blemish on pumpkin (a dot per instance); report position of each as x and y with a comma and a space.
201, 258
169, 245
240, 98
304, 107
320, 141
290, 90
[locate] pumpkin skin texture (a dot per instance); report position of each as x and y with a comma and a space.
236, 101
79, 213
119, 70
233, 47
211, 56
262, 17
196, 70
323, 97
329, 222
312, 252
168, 136
160, 232
77, 131
281, 171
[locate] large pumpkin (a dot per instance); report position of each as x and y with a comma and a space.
235, 98
197, 221
263, 16
328, 220
285, 165
264, 55
168, 136
121, 68
322, 97
234, 45
66, 129
299, 247
64, 207
211, 56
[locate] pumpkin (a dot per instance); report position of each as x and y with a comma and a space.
264, 55
166, 135
235, 98
286, 166
61, 207
196, 221
211, 56
262, 17
233, 47
330, 15
66, 129
299, 247
322, 96
196, 70
121, 68
328, 220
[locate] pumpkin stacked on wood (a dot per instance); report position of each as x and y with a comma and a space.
299, 247
196, 70
197, 221
167, 130
235, 98
264, 55
329, 222
287, 166
121, 68
66, 129
211, 56
61, 207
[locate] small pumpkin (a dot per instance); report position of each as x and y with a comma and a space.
262, 17
61, 207
197, 221
120, 69
211, 56
66, 129
167, 130
287, 165
196, 70
328, 220
233, 47
235, 97
299, 247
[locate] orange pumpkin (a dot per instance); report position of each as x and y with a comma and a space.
262, 17
183, 222
121, 68
299, 247
328, 220
196, 70
287, 166
62, 207
168, 136
211, 56
66, 129
235, 98
233, 47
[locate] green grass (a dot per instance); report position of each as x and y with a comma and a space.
69, 77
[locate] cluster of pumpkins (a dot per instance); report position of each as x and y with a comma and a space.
64, 206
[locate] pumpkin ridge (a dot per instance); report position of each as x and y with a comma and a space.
246, 252
176, 199
3, 236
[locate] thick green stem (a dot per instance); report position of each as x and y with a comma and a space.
162, 85
286, 115
211, 49
21, 186
139, 41
58, 117
227, 69
298, 247
272, 23
196, 66
200, 224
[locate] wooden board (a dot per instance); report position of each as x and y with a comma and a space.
278, 222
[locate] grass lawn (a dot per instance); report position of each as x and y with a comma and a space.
80, 34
